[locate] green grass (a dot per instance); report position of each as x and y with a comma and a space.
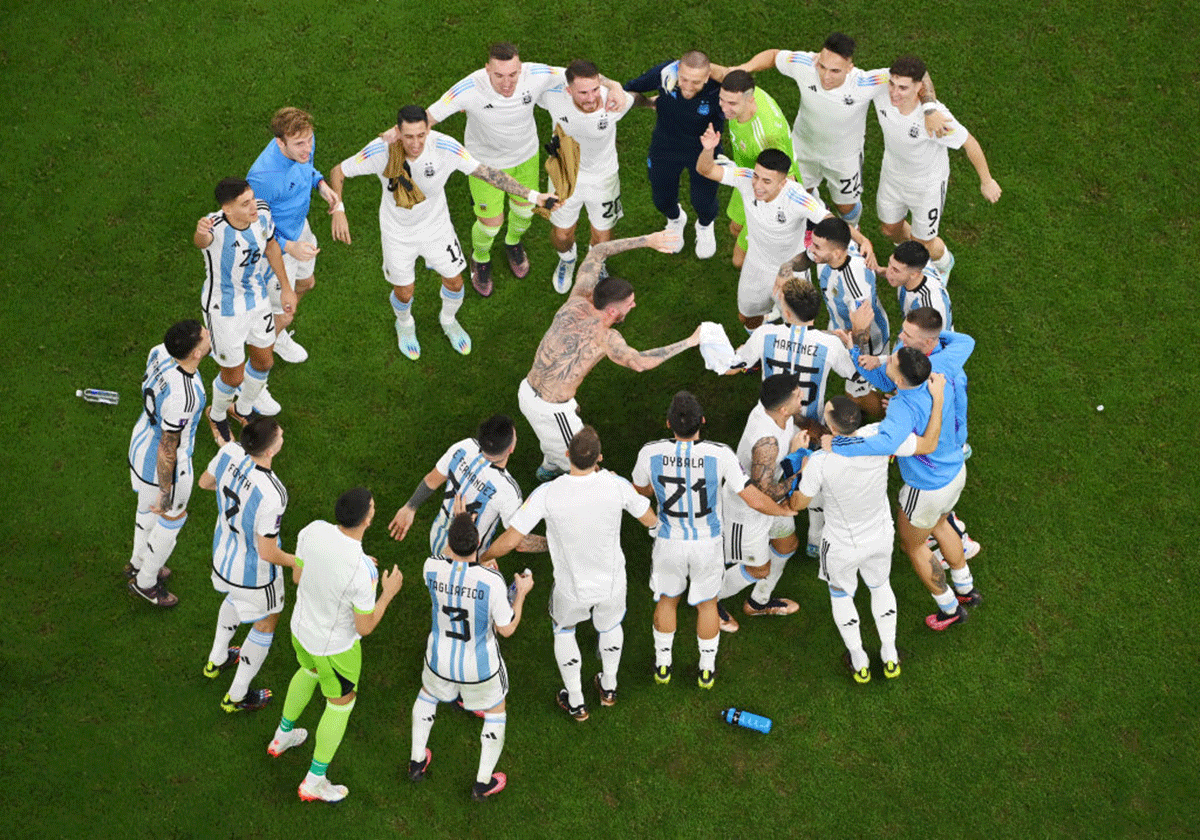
1066, 706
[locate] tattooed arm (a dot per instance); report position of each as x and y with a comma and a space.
588, 274
504, 181
168, 455
797, 263
763, 460
626, 356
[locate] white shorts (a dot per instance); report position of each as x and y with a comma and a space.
856, 386
436, 244
843, 177
841, 566
602, 199
894, 202
231, 333
180, 493
755, 284
749, 543
676, 562
295, 269
476, 697
253, 604
605, 615
925, 507
553, 423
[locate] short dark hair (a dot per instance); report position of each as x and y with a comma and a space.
841, 44
737, 81
802, 298
846, 415
230, 189
912, 254
910, 67
181, 339
411, 114
581, 69
914, 365
496, 434
503, 51
925, 318
352, 507
259, 434
610, 290
685, 415
695, 59
584, 449
462, 536
833, 229
775, 160
776, 389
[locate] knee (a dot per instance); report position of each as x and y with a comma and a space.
759, 572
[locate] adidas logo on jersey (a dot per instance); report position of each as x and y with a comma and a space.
813, 88
489, 105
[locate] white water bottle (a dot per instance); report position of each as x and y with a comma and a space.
512, 587
96, 395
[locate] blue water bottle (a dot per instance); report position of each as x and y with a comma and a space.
747, 720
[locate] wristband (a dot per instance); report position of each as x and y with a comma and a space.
340, 207
532, 196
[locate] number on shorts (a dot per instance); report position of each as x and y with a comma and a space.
851, 186
455, 251
457, 614
235, 505
612, 209
149, 405
933, 217
700, 488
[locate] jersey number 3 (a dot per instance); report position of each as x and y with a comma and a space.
457, 615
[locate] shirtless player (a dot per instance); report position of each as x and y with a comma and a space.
580, 335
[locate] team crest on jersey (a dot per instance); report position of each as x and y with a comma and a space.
849, 100
703, 109
781, 217
526, 98
428, 169
603, 124
913, 132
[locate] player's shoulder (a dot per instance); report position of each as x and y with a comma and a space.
535, 68
272, 487
797, 58
447, 146
488, 575
871, 78
505, 479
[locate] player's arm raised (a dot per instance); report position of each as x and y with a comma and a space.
203, 236
706, 164
389, 583
639, 360
987, 184
524, 584
403, 519
339, 224
764, 60
588, 274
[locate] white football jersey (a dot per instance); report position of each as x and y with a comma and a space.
338, 581
235, 264
931, 292
911, 158
500, 129
759, 425
172, 401
687, 477
583, 529
847, 286
251, 501
804, 351
830, 124
854, 492
774, 229
441, 157
468, 601
488, 491
596, 132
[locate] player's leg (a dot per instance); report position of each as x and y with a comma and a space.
563, 220
843, 179
489, 216
491, 737
302, 277
253, 395
554, 424
144, 520
912, 539
229, 334
875, 570
664, 174
737, 227
607, 618
782, 546
520, 217
927, 218
756, 285
951, 544
892, 211
434, 690
268, 604
399, 258
300, 691
746, 561
840, 574
705, 563
708, 639
564, 615
340, 674
705, 201
444, 255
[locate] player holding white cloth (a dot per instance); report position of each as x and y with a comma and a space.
582, 511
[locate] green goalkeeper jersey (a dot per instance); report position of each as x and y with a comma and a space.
767, 129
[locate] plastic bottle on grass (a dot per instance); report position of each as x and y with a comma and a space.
96, 395
746, 720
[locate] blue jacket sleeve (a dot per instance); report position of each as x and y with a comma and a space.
958, 347
877, 377
649, 81
894, 429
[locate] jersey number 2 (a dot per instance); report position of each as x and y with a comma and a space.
699, 488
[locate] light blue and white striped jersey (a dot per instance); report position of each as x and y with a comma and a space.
235, 264
172, 400
468, 600
931, 292
250, 502
804, 351
847, 286
488, 491
687, 477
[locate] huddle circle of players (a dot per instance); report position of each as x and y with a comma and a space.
723, 520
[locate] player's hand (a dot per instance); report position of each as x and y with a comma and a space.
392, 135
937, 384
884, 400
204, 227
460, 506
288, 300
401, 522
867, 249
665, 241
339, 226
938, 124
711, 138
302, 251
991, 190
869, 362
524, 582
391, 581
844, 335
547, 200
861, 316
617, 97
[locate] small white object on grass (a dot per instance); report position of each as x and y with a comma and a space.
1099, 408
